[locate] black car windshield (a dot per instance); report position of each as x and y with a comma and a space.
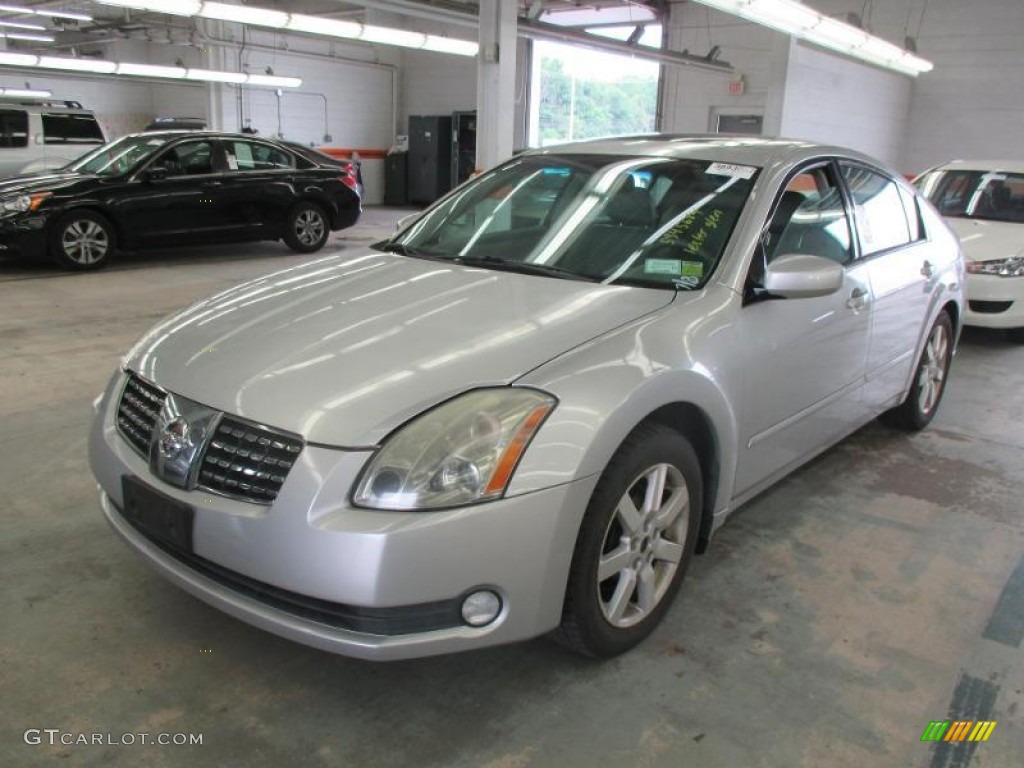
650, 221
991, 195
118, 156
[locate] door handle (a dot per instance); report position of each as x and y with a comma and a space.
212, 183
858, 299
926, 269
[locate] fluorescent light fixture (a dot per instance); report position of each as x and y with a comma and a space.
330, 27
150, 70
27, 36
273, 81
312, 25
25, 93
450, 45
77, 65
45, 12
18, 59
175, 7
215, 76
21, 25
796, 19
390, 36
244, 14
130, 69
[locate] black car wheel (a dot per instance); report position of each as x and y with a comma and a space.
929, 382
637, 538
82, 240
307, 228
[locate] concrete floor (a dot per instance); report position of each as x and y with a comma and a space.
878, 589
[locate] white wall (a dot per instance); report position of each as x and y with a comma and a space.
691, 96
436, 84
836, 100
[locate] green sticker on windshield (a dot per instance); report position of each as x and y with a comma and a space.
692, 269
672, 267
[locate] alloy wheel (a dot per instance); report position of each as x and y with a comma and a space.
309, 227
933, 369
643, 545
85, 242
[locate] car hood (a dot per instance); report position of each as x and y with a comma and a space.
39, 182
344, 349
984, 240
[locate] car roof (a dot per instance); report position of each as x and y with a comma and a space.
729, 148
1014, 166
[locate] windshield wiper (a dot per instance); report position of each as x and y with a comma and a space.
523, 267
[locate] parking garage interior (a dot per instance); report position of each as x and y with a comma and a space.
839, 614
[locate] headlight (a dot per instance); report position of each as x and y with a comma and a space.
1011, 267
461, 452
23, 203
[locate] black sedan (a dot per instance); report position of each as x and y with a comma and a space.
176, 188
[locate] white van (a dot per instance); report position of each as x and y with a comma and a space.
42, 135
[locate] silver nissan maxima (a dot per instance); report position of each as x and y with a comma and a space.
526, 411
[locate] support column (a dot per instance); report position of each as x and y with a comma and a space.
496, 83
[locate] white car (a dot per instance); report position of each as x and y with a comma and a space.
38, 136
984, 203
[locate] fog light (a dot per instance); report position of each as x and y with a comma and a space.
481, 608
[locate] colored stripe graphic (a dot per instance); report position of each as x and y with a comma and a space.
982, 730
935, 731
959, 730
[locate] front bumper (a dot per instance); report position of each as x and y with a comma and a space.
403, 570
23, 236
994, 301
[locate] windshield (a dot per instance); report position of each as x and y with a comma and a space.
965, 194
655, 222
118, 156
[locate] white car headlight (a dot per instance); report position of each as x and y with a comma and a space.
461, 452
1010, 267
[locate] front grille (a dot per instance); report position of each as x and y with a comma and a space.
989, 307
246, 461
137, 412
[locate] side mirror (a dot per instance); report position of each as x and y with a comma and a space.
155, 173
802, 276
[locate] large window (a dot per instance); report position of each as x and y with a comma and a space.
256, 156
656, 222
71, 129
578, 93
971, 194
881, 219
13, 128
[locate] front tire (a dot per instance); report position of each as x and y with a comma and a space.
636, 541
929, 383
307, 228
82, 240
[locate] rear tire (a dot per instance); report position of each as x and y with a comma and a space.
307, 227
636, 541
929, 383
82, 240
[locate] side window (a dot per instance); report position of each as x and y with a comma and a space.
809, 218
913, 215
881, 222
189, 158
71, 129
13, 128
253, 156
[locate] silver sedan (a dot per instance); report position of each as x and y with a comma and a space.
527, 410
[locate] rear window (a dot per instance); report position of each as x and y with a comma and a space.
71, 129
13, 128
